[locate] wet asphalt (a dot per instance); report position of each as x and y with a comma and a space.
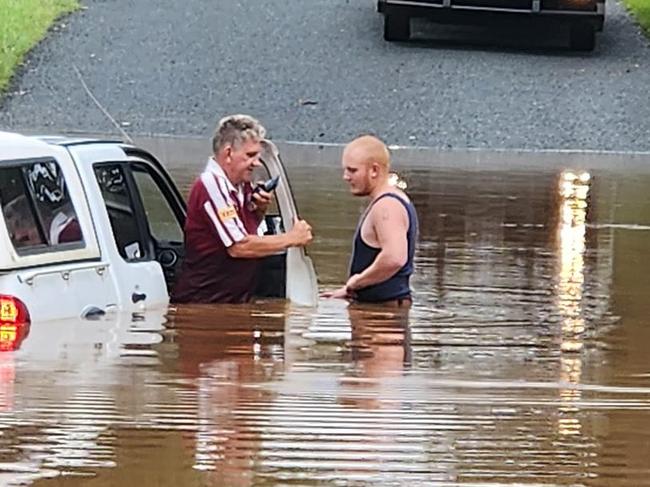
319, 71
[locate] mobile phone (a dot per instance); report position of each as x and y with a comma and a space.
269, 185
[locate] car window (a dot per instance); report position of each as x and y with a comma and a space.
163, 224
37, 208
121, 210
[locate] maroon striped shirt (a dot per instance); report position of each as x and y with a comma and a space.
216, 219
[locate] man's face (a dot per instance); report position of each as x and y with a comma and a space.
356, 172
243, 159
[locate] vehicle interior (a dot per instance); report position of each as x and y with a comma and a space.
273, 269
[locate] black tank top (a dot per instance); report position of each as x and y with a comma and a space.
363, 255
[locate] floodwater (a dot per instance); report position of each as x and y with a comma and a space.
524, 360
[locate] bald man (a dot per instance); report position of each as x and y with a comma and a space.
384, 242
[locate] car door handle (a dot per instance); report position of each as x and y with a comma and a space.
137, 297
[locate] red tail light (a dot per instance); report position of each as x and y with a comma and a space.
14, 322
12, 310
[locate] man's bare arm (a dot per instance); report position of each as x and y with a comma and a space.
390, 223
254, 246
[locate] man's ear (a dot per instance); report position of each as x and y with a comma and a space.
227, 152
374, 169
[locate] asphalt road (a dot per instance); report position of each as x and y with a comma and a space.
319, 70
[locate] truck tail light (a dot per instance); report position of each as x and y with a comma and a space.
14, 322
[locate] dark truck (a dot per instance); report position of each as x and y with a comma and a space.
583, 17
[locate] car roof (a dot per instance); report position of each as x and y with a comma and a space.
69, 140
18, 146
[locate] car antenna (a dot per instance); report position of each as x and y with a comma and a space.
99, 105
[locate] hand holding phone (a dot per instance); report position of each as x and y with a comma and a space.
260, 202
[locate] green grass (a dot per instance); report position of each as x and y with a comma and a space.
641, 10
23, 23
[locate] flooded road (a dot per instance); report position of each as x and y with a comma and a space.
522, 362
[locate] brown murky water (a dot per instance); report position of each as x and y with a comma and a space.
522, 362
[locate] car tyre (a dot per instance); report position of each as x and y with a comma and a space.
582, 37
397, 27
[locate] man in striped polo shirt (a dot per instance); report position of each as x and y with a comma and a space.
222, 246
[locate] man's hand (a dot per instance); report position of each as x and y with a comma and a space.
340, 293
261, 199
354, 283
345, 292
300, 234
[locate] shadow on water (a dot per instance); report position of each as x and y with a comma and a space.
522, 362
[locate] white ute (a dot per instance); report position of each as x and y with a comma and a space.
89, 226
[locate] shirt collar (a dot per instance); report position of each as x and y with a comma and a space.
215, 168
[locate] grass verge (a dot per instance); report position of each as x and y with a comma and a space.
23, 23
641, 10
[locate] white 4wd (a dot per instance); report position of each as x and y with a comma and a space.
88, 226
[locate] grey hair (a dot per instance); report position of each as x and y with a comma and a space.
236, 129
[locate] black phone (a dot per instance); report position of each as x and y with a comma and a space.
269, 185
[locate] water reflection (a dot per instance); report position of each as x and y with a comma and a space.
574, 192
12, 335
521, 362
62, 393
224, 353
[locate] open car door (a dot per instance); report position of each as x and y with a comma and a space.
300, 283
